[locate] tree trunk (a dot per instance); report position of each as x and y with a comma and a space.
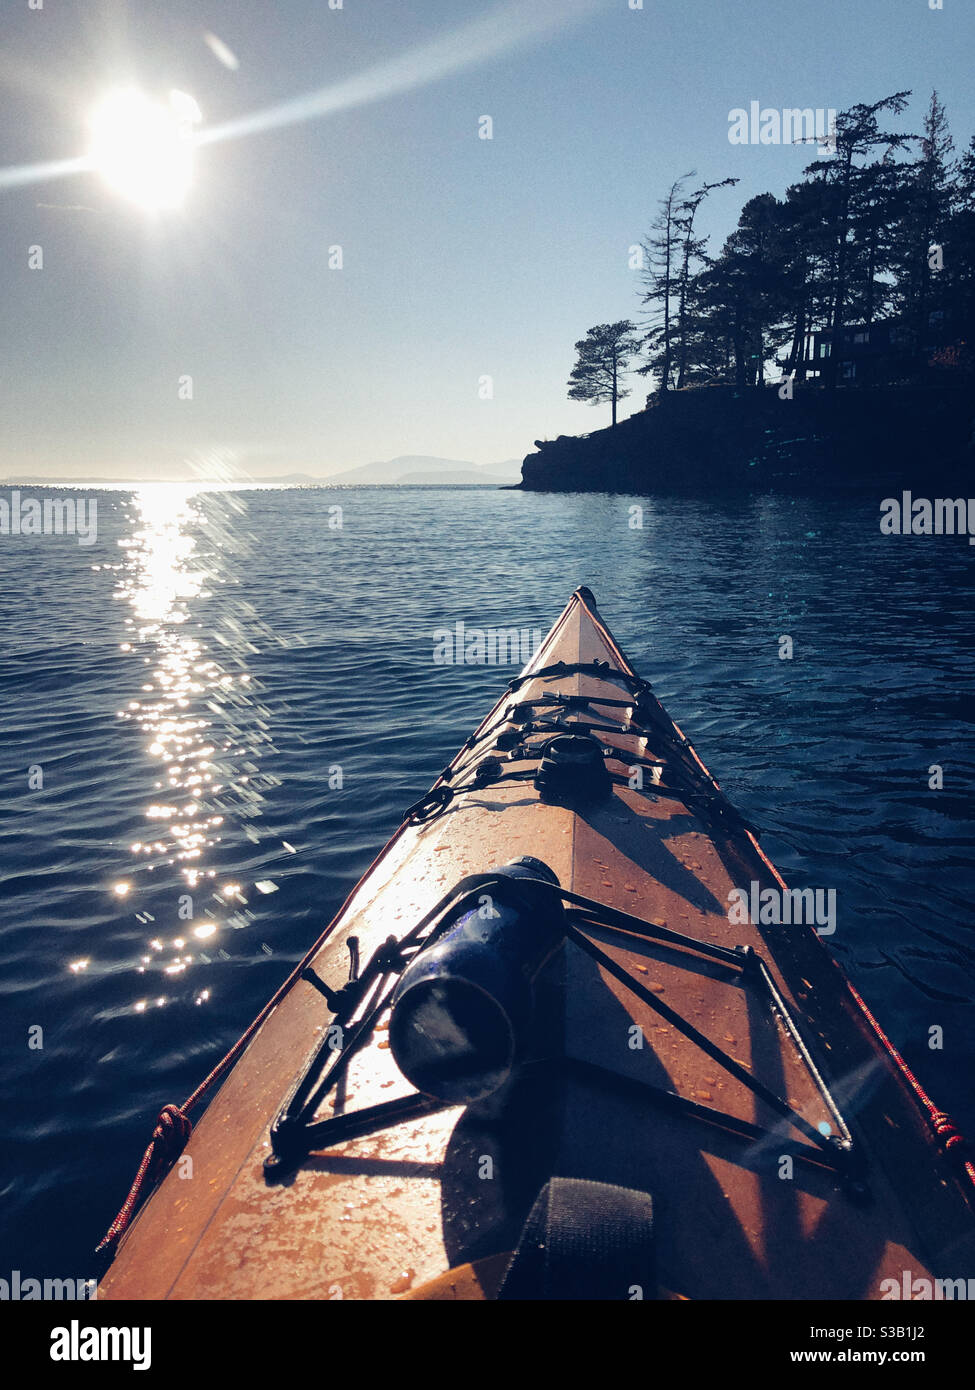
665, 372
740, 342
760, 364
839, 301
682, 320
797, 352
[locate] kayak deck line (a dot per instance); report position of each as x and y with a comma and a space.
516, 722
295, 1133
392, 1193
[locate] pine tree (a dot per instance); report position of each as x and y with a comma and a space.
872, 232
748, 286
805, 254
692, 249
959, 253
604, 355
856, 134
929, 196
662, 250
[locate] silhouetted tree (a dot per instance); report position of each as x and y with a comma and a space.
881, 212
662, 250
872, 231
604, 355
747, 286
856, 134
692, 249
805, 254
957, 280
928, 200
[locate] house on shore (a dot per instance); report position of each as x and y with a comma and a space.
880, 352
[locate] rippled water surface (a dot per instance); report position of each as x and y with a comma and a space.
178, 699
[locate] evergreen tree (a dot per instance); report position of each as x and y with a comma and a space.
856, 134
692, 249
876, 231
663, 252
928, 200
959, 248
805, 254
748, 286
604, 355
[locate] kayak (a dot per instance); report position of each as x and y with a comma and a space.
570, 1037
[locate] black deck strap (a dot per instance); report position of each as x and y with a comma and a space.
438, 799
601, 669
584, 1241
434, 801
556, 699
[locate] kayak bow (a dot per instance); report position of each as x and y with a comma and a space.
637, 1020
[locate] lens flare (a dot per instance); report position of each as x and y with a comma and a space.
510, 27
144, 149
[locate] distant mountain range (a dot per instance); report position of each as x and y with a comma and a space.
408, 469
418, 469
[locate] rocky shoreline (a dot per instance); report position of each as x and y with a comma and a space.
715, 438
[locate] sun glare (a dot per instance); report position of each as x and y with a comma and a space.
144, 149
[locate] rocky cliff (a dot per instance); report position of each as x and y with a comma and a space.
721, 437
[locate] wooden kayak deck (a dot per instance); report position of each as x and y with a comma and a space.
384, 1216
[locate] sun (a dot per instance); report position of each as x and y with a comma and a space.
144, 149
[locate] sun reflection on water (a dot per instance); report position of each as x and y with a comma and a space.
198, 716
160, 579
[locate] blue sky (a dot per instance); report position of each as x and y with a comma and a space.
463, 258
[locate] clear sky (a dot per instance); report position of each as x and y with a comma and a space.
463, 258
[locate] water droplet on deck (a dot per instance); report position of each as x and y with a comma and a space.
404, 1282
